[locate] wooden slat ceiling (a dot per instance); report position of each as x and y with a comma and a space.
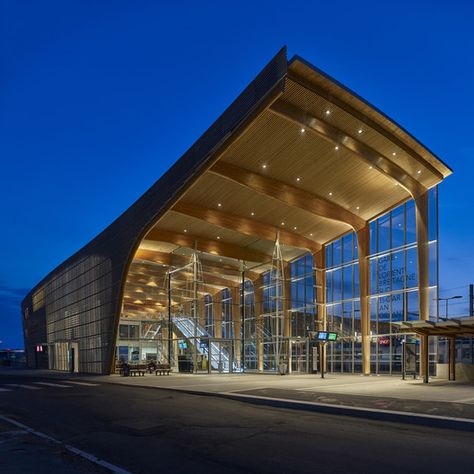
279, 147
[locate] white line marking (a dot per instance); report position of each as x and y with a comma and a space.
5, 390
53, 384
464, 400
81, 383
72, 449
19, 385
347, 407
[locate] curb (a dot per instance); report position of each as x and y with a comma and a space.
393, 416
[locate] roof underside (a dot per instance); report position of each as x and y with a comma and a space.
315, 164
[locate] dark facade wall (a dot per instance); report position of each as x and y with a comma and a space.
81, 299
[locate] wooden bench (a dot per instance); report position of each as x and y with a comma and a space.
163, 369
137, 371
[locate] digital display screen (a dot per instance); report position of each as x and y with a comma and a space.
182, 345
322, 336
332, 336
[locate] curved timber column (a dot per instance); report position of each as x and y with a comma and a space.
319, 264
421, 206
363, 245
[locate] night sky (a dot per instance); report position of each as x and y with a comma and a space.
98, 99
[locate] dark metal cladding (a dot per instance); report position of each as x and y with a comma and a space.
81, 299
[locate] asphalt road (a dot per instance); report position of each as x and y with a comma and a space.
153, 430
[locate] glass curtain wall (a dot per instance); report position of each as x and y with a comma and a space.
393, 289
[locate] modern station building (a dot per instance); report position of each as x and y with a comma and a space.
302, 208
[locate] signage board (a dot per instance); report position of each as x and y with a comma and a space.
326, 336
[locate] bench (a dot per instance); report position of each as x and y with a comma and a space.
163, 369
139, 372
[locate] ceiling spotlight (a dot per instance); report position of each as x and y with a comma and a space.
394, 154
282, 223
252, 213
303, 130
370, 167
311, 235
218, 237
294, 228
298, 179
336, 147
264, 166
185, 230
419, 171
219, 204
328, 112
357, 207
359, 131
330, 194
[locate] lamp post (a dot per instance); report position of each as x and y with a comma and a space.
447, 303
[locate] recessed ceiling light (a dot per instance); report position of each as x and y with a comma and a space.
330, 194
298, 179
419, 171
311, 235
282, 223
219, 204
370, 167
185, 230
303, 130
336, 147
396, 184
359, 131
357, 207
264, 166
294, 228
328, 112
252, 213
218, 237
394, 154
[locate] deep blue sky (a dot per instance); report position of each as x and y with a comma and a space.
98, 99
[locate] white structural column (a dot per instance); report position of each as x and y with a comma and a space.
421, 205
363, 244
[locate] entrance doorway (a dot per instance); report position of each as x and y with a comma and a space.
221, 355
298, 356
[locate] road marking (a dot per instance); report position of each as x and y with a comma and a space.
90, 457
81, 383
19, 385
53, 384
336, 386
5, 390
464, 400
